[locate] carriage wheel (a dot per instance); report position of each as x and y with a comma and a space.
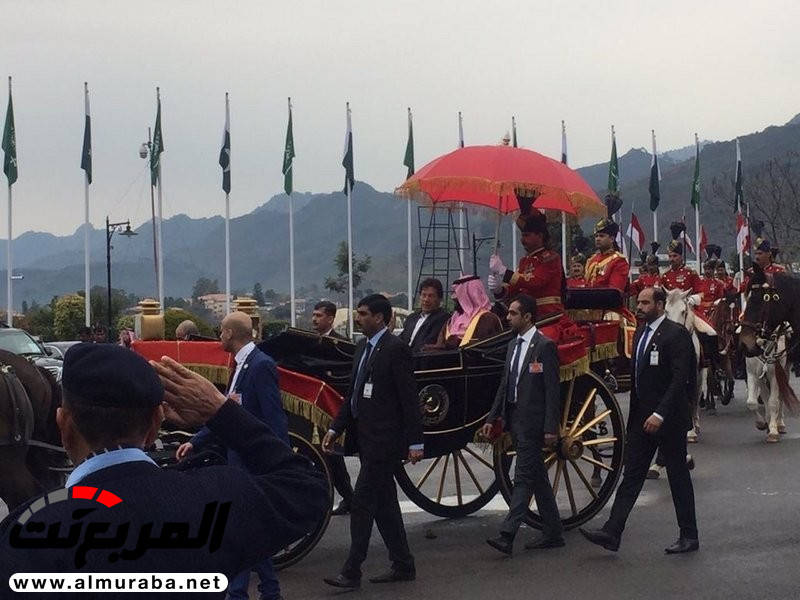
297, 550
591, 442
452, 485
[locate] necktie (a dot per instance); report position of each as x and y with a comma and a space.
511, 390
640, 353
359, 386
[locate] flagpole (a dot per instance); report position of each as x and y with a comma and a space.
227, 215
658, 176
153, 215
513, 224
461, 216
160, 245
9, 294
349, 189
737, 180
697, 209
564, 249
408, 232
292, 298
87, 304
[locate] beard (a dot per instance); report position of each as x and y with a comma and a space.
457, 307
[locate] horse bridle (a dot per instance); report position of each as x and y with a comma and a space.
767, 338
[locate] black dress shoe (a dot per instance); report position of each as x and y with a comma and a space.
394, 575
683, 545
542, 543
503, 543
601, 538
342, 509
340, 581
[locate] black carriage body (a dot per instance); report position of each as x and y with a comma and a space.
455, 387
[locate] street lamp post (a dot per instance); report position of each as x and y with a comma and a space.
111, 229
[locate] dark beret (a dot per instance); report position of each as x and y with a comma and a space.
111, 376
763, 245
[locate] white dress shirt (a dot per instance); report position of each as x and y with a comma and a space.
527, 338
418, 326
652, 327
240, 358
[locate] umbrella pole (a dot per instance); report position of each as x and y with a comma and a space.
497, 226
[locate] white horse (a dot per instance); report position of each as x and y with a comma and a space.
762, 381
678, 309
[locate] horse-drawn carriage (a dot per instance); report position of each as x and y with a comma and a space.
461, 471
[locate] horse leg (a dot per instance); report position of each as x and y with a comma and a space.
704, 388
772, 406
17, 485
754, 388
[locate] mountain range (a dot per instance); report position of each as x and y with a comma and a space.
193, 248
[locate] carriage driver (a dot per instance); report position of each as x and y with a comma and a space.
539, 273
608, 267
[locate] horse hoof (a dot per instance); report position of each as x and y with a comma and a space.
691, 437
761, 426
702, 402
773, 437
654, 472
782, 429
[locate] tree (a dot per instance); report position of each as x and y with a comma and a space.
68, 317
25, 307
258, 294
340, 261
204, 286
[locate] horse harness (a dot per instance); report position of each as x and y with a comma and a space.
766, 338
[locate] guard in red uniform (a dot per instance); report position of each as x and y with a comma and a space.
711, 288
764, 253
576, 277
679, 276
608, 267
539, 273
649, 278
721, 273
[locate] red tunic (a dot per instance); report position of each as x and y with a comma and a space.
576, 282
682, 278
539, 275
770, 268
607, 270
712, 289
643, 281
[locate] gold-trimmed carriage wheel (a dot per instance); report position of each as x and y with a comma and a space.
452, 485
297, 550
591, 444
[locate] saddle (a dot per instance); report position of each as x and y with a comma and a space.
21, 429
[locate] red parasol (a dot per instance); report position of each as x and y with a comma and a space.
492, 176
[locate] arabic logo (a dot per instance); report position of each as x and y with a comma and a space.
173, 535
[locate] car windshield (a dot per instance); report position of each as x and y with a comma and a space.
18, 342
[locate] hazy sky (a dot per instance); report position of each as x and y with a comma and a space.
719, 68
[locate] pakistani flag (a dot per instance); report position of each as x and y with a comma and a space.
613, 167
408, 159
10, 142
696, 178
158, 146
738, 197
655, 177
347, 161
86, 155
514, 132
225, 151
564, 145
288, 155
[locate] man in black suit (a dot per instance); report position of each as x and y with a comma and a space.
322, 319
112, 409
422, 327
382, 421
659, 418
528, 402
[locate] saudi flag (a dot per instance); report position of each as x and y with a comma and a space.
696, 178
738, 195
225, 150
288, 155
613, 167
347, 161
10, 142
158, 146
86, 155
655, 177
408, 159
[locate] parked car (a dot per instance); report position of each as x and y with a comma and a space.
59, 349
21, 342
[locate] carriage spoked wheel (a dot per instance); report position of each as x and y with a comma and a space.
452, 485
586, 462
297, 550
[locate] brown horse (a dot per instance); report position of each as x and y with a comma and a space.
29, 397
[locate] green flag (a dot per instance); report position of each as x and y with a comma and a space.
347, 161
157, 147
10, 142
655, 177
696, 179
613, 167
288, 155
408, 159
738, 193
